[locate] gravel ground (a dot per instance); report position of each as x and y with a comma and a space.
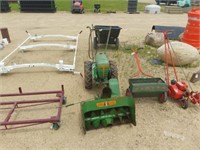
159, 126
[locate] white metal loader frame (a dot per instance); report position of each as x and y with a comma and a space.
60, 65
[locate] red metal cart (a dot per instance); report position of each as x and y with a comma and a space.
16, 105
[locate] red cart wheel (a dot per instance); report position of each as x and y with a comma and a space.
163, 97
128, 92
55, 126
184, 103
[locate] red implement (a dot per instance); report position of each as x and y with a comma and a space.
57, 97
178, 90
195, 97
138, 66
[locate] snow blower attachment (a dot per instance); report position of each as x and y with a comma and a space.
109, 108
107, 112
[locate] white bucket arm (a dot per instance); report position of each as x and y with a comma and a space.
67, 46
36, 37
60, 66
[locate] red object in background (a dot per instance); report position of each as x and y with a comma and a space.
182, 85
191, 34
5, 34
178, 90
77, 4
195, 97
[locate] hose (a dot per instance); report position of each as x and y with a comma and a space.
91, 51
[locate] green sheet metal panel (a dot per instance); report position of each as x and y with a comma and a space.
114, 86
147, 87
102, 65
105, 112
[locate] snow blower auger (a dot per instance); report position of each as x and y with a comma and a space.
107, 112
178, 90
109, 107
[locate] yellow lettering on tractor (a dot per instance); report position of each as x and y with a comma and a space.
106, 103
104, 67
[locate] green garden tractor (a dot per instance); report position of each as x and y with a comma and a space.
100, 72
108, 108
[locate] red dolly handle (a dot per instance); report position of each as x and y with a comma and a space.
138, 65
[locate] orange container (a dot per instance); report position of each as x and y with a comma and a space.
191, 34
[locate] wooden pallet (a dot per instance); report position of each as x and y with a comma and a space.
187, 9
173, 10
195, 2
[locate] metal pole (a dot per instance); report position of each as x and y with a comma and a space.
15, 50
108, 38
75, 53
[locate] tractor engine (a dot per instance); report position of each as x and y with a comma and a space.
177, 90
101, 68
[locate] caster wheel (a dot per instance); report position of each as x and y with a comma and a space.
184, 103
64, 100
163, 97
55, 126
95, 43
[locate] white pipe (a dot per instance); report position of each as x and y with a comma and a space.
50, 45
60, 66
74, 62
14, 50
55, 35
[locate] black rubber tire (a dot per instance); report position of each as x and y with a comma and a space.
88, 74
64, 100
113, 70
82, 11
168, 3
97, 10
163, 97
55, 126
95, 42
128, 92
184, 103
117, 43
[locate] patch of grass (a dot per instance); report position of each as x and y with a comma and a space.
141, 6
192, 65
63, 5
106, 5
143, 51
14, 6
